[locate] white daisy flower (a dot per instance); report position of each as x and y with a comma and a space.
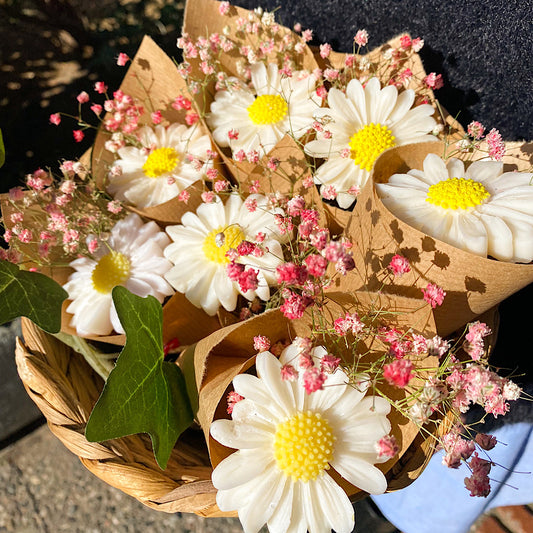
288, 440
483, 211
275, 105
132, 256
202, 241
161, 168
363, 123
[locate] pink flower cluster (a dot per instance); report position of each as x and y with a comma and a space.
476, 384
478, 483
473, 344
124, 113
72, 211
314, 371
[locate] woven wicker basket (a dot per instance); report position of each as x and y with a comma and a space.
65, 389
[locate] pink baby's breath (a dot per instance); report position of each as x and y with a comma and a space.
486, 442
208, 197
55, 119
114, 207
313, 380
399, 265
232, 399
399, 372
361, 38
329, 363
479, 483
434, 81
191, 118
156, 117
433, 295
476, 129
182, 103
122, 59
325, 50
495, 144
184, 196
387, 447
289, 373
261, 343
100, 87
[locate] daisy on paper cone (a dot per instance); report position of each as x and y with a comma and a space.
132, 256
200, 249
287, 440
162, 167
257, 118
360, 125
483, 210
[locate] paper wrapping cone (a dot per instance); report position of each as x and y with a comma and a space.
202, 18
229, 352
152, 79
473, 284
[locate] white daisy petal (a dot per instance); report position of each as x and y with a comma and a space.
360, 473
500, 237
456, 168
202, 241
336, 506
264, 114
270, 489
153, 174
484, 170
234, 436
131, 257
435, 169
311, 503
281, 427
363, 123
281, 516
269, 370
241, 467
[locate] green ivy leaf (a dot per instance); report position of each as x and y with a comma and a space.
144, 393
30, 294
2, 150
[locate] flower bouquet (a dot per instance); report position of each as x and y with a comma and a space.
281, 264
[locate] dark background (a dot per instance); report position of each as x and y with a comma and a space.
50, 51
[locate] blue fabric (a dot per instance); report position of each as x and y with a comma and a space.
438, 501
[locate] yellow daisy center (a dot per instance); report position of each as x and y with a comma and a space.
161, 161
111, 270
303, 446
368, 143
267, 109
457, 193
220, 240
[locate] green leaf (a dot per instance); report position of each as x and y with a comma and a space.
101, 363
32, 295
2, 150
144, 393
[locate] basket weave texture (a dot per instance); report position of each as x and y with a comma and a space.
65, 389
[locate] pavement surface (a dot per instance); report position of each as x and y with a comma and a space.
45, 489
